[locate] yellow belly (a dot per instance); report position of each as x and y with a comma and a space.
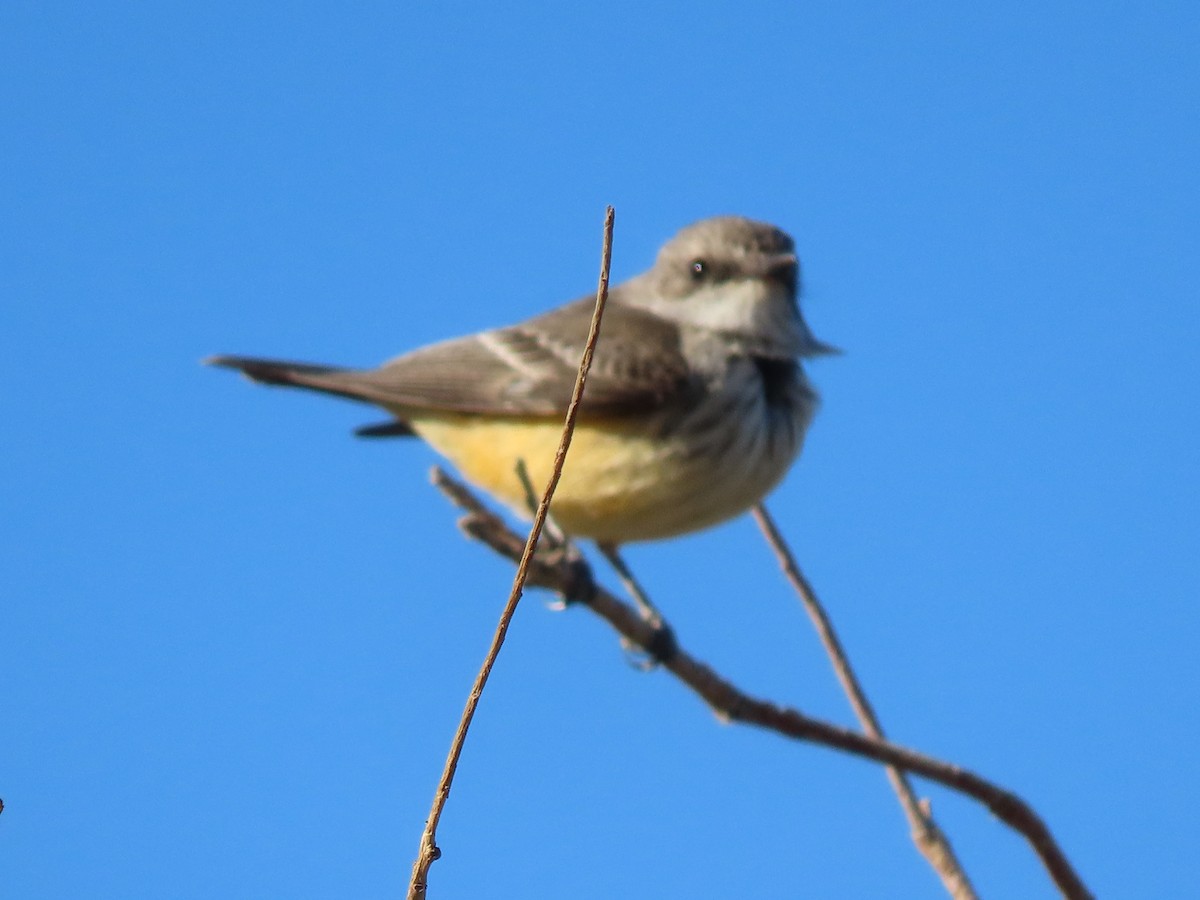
620, 483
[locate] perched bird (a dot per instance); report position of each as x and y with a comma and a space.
695, 406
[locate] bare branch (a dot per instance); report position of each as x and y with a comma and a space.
428, 851
566, 573
931, 842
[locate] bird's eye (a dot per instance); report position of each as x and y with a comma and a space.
699, 269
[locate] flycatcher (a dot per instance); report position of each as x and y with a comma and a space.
695, 406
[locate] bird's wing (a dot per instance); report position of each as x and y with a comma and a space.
523, 370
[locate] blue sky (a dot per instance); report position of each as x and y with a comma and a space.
236, 640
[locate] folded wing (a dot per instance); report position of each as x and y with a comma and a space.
523, 370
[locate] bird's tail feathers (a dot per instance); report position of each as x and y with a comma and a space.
327, 379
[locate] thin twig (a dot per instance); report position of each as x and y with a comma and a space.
569, 576
551, 533
428, 850
931, 842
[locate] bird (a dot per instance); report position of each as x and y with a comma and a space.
696, 405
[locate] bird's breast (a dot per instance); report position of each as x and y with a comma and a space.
655, 475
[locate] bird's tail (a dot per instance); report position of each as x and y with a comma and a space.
327, 379
341, 382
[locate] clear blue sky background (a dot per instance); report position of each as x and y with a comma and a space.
235, 641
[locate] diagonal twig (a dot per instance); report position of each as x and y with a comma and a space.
569, 575
931, 842
428, 851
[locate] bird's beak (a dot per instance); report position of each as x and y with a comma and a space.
810, 346
784, 267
